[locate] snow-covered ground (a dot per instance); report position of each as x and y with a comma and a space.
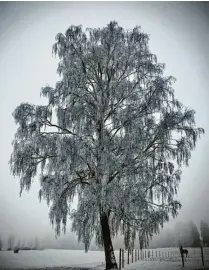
50, 258
161, 265
70, 259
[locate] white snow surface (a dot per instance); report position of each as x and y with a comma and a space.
50, 258
161, 265
74, 259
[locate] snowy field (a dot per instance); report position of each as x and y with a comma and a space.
50, 258
161, 265
71, 259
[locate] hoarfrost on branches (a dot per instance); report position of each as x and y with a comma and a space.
119, 142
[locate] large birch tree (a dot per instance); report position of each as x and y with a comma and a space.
112, 134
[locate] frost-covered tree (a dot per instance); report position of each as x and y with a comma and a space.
36, 243
112, 134
1, 243
18, 244
204, 229
23, 244
11, 240
195, 235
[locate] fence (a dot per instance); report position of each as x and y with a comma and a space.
195, 255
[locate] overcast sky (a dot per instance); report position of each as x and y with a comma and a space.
179, 33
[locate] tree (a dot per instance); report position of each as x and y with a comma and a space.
30, 243
11, 240
36, 243
195, 236
184, 233
204, 229
165, 239
18, 244
23, 244
1, 243
112, 134
187, 234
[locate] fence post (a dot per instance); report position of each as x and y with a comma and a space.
132, 255
128, 256
202, 255
182, 258
120, 259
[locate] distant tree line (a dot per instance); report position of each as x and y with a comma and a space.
183, 233
12, 244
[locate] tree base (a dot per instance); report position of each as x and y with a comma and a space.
108, 248
111, 266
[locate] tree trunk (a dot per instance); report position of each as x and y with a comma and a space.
108, 248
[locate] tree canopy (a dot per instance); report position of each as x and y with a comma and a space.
113, 134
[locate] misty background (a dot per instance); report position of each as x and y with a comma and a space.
179, 36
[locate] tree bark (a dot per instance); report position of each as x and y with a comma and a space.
107, 242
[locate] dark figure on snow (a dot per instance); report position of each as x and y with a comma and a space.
183, 251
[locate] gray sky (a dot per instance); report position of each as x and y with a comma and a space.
179, 33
